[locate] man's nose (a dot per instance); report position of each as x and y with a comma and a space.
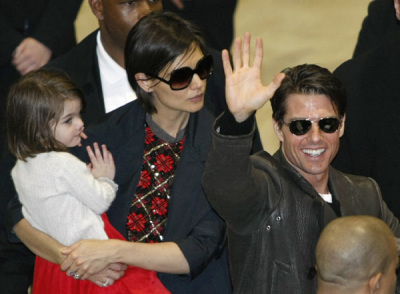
315, 132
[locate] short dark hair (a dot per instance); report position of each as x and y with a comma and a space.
155, 42
308, 79
35, 103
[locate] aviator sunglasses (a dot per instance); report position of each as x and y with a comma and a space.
182, 77
300, 127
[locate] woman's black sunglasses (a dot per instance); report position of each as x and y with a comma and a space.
300, 127
181, 77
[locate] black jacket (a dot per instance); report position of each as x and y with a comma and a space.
370, 145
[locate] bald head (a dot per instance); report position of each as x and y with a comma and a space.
353, 249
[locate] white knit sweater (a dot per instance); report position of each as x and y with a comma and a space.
61, 197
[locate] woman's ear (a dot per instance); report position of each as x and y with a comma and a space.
144, 82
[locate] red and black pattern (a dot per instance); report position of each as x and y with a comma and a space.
149, 210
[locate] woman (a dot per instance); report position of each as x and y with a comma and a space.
159, 144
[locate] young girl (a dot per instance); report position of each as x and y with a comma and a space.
60, 195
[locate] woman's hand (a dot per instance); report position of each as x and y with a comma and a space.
114, 272
89, 257
245, 92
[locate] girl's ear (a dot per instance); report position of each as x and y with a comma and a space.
144, 82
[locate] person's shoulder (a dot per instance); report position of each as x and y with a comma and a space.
370, 62
351, 180
118, 116
73, 58
118, 122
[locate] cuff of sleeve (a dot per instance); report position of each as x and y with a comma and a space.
227, 125
109, 181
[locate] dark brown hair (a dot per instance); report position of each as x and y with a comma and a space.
35, 104
308, 79
155, 42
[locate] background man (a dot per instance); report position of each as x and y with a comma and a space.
371, 144
356, 254
276, 206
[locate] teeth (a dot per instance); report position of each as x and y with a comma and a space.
314, 152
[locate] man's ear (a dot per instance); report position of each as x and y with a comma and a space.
397, 8
144, 82
277, 129
374, 283
97, 8
341, 129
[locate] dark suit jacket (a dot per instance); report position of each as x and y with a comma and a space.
192, 224
214, 18
51, 22
371, 142
379, 26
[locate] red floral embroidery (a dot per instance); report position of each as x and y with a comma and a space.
136, 222
149, 136
159, 206
145, 179
164, 163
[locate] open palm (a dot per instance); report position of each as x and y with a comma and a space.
245, 92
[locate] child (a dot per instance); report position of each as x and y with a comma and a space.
60, 195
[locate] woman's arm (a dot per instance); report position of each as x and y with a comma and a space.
89, 256
50, 249
39, 243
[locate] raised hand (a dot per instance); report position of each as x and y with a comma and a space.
101, 165
245, 92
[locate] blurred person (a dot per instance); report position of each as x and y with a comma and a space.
371, 144
356, 255
215, 18
32, 33
380, 26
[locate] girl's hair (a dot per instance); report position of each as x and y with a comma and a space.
155, 42
35, 104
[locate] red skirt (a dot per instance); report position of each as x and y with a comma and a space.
49, 279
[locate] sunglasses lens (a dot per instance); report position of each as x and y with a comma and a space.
205, 67
329, 125
299, 127
180, 78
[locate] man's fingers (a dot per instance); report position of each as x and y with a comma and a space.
274, 84
237, 54
246, 50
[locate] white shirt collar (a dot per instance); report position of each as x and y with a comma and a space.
114, 80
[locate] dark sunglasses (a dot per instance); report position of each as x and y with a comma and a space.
300, 127
182, 77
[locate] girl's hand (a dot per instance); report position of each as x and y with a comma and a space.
101, 165
245, 92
